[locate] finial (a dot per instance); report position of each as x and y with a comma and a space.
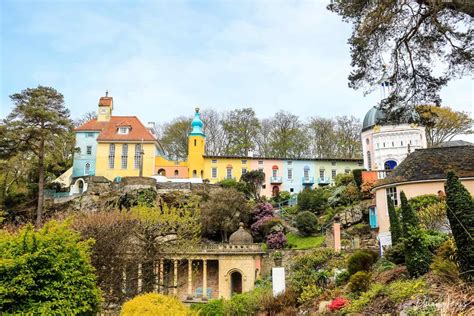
106, 93
197, 109
241, 225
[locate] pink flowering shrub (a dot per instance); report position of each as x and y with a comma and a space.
263, 209
276, 240
337, 304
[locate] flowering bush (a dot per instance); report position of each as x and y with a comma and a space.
263, 209
337, 304
276, 240
257, 226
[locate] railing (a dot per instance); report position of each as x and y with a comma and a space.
55, 195
276, 179
228, 248
307, 180
324, 180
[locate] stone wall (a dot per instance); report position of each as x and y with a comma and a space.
287, 256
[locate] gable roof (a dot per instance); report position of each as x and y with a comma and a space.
433, 164
108, 130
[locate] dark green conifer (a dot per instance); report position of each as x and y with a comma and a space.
395, 229
417, 255
460, 212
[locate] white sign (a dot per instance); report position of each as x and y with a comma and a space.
278, 280
385, 241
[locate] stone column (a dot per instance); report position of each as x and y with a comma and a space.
204, 279
190, 279
161, 285
156, 267
337, 234
139, 278
175, 276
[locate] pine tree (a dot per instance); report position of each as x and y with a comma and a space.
460, 212
395, 229
417, 255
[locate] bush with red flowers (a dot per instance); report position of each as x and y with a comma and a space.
337, 304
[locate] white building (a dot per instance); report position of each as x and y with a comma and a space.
386, 146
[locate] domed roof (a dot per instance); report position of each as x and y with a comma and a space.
241, 236
373, 117
197, 124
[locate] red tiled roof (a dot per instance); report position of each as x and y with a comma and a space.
108, 130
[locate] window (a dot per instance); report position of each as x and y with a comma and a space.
195, 143
194, 174
378, 145
360, 163
393, 144
392, 194
89, 150
367, 141
321, 173
260, 162
87, 169
229, 173
369, 161
214, 161
290, 174
290, 163
306, 173
274, 173
244, 170
401, 143
138, 156
263, 186
89, 135
214, 173
244, 162
347, 170
124, 156
384, 144
111, 156
176, 173
292, 190
123, 130
333, 173
333, 163
410, 141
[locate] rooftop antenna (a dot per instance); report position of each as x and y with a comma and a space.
106, 93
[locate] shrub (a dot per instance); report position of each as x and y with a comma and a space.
47, 272
383, 265
344, 179
445, 269
310, 293
364, 299
315, 201
360, 229
395, 229
286, 301
276, 240
154, 304
213, 307
359, 282
447, 250
342, 278
422, 201
357, 174
434, 216
395, 253
350, 194
337, 304
433, 239
246, 303
361, 260
461, 218
398, 291
307, 223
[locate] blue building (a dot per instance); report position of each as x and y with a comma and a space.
84, 159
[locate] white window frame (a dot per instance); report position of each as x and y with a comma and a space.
391, 193
87, 170
322, 173
124, 157
244, 170
123, 130
333, 173
111, 156
214, 172
290, 174
228, 173
137, 157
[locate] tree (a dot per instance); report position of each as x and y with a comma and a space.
287, 137
253, 181
315, 201
174, 138
417, 255
323, 137
395, 229
223, 211
397, 42
263, 138
443, 123
38, 122
47, 272
307, 223
241, 127
86, 117
348, 144
460, 211
216, 136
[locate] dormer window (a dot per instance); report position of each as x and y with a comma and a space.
123, 130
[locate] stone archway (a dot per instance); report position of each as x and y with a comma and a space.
235, 283
79, 187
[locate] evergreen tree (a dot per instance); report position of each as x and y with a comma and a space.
36, 124
395, 229
417, 255
460, 211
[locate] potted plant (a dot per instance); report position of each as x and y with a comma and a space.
277, 257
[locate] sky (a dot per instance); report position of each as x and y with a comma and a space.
161, 59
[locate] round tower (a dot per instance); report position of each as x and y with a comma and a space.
196, 147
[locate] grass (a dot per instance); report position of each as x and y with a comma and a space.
296, 241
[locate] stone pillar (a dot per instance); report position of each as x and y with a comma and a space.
156, 267
139, 278
175, 277
190, 279
337, 234
161, 285
204, 279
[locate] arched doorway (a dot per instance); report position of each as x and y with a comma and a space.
79, 187
162, 172
390, 164
275, 190
235, 283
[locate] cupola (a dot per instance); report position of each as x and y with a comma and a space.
241, 236
197, 124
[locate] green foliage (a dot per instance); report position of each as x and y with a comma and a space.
246, 303
357, 174
383, 264
460, 206
232, 184
307, 223
296, 241
154, 304
422, 201
445, 269
359, 282
365, 298
434, 216
47, 272
342, 278
253, 181
343, 179
315, 201
359, 229
281, 197
213, 307
395, 229
310, 293
417, 255
361, 260
433, 239
400, 290
396, 253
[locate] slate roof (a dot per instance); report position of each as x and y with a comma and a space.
108, 130
432, 164
282, 158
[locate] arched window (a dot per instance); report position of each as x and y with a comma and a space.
369, 161
176, 173
275, 171
195, 142
194, 173
306, 172
87, 169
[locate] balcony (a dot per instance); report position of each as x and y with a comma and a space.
307, 180
276, 180
324, 180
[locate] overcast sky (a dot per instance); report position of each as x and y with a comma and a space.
161, 59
